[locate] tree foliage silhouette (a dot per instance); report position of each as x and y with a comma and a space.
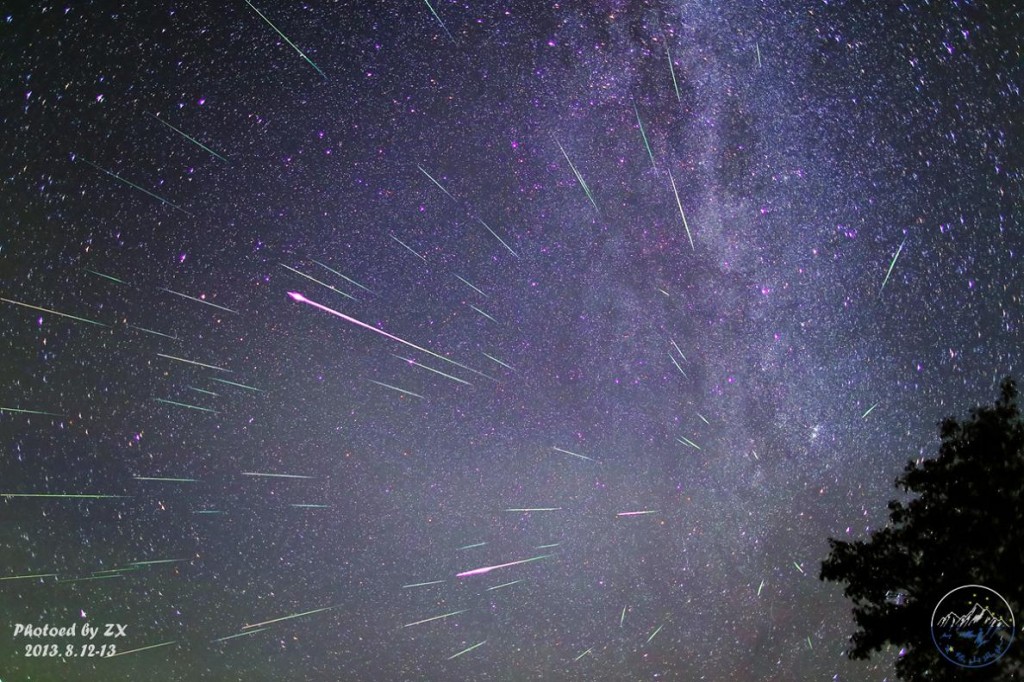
964, 525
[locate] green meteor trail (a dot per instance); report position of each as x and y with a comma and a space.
798, 567
441, 617
100, 274
294, 615
680, 205
155, 562
554, 544
145, 648
409, 248
431, 369
431, 8
191, 139
168, 480
199, 300
141, 189
310, 506
315, 280
579, 178
499, 239
294, 46
891, 266
54, 312
235, 383
644, 136
240, 634
193, 362
467, 650
15, 410
672, 70
478, 544
498, 587
432, 582
82, 580
204, 391
186, 405
654, 634
266, 475
27, 577
396, 388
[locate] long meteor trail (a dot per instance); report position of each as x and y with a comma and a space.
53, 312
431, 369
429, 582
579, 178
499, 239
141, 189
467, 650
190, 139
574, 454
347, 279
431, 8
193, 362
408, 248
441, 617
396, 389
294, 615
439, 185
294, 46
316, 281
644, 136
680, 205
266, 475
186, 405
488, 569
638, 513
870, 410
891, 266
295, 296
15, 410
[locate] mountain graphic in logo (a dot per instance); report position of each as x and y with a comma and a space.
977, 628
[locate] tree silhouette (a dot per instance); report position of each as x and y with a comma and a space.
964, 526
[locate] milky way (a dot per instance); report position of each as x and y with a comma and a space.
429, 341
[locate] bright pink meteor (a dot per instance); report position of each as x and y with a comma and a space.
296, 296
488, 569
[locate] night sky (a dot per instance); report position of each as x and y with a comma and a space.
364, 277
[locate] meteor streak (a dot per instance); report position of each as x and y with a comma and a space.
431, 369
468, 284
193, 362
150, 331
15, 410
439, 185
759, 588
441, 617
145, 648
431, 8
534, 509
203, 391
60, 495
100, 274
294, 46
674, 362
482, 313
686, 441
432, 582
644, 136
870, 409
310, 506
757, 47
467, 649
488, 569
54, 312
266, 475
294, 615
622, 618
167, 480
187, 405
579, 178
703, 419
240, 634
141, 189
583, 654
676, 346
410, 249
199, 300
479, 544
891, 266
235, 383
654, 634
295, 296
191, 139
574, 454
396, 388
315, 280
638, 513
347, 279
680, 205
153, 563
798, 567
503, 364
498, 238
554, 544
672, 70
498, 587
27, 577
